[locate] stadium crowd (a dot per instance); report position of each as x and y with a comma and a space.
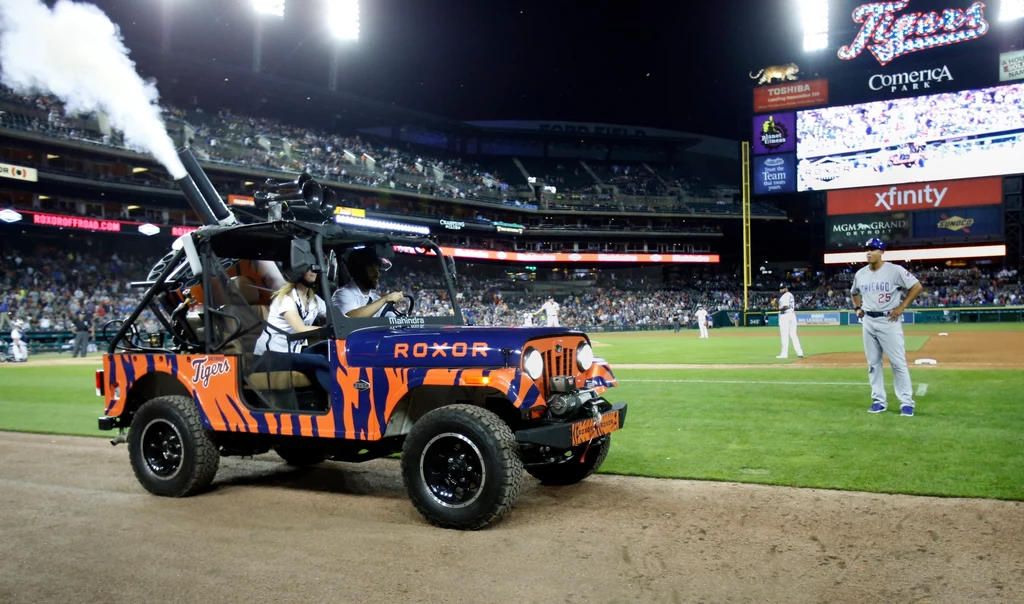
835, 130
257, 142
45, 287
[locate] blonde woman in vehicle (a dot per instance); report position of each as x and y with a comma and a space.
293, 309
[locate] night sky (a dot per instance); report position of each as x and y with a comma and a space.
680, 66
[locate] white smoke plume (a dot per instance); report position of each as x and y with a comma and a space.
74, 52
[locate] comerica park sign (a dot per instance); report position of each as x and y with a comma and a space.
888, 35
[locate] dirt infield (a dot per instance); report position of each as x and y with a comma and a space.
960, 350
78, 528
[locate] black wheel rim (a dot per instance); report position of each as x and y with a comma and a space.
452, 469
162, 448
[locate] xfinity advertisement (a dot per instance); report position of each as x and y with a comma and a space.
774, 174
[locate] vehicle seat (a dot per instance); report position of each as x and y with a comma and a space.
261, 380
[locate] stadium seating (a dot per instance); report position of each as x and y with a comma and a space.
238, 140
44, 286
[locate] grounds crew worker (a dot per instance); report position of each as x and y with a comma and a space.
878, 286
84, 331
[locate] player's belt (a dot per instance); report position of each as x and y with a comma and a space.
876, 314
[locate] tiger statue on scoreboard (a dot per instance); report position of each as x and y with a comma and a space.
781, 73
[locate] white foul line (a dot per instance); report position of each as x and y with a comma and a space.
921, 389
749, 382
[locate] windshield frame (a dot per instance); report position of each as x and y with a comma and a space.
342, 326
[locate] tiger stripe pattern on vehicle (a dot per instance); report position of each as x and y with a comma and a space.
363, 399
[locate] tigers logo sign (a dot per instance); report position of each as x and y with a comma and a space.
889, 36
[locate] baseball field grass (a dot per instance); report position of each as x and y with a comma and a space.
759, 345
796, 426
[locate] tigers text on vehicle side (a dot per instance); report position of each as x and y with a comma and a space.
469, 408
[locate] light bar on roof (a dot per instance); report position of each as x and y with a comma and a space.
939, 253
814, 17
269, 7
1011, 10
343, 18
531, 257
381, 225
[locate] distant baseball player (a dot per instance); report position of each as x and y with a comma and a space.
702, 321
787, 323
19, 350
527, 319
550, 309
879, 287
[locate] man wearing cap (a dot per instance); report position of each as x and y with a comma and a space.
358, 298
84, 330
787, 322
702, 321
881, 291
19, 350
550, 310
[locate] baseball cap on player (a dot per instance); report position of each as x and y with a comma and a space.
783, 286
875, 243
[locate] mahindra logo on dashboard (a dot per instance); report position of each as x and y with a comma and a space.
888, 36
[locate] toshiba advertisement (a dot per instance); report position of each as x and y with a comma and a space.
917, 196
790, 96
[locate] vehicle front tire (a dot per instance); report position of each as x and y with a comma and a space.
170, 452
573, 470
461, 467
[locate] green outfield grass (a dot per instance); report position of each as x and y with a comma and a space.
756, 345
58, 399
805, 427
811, 428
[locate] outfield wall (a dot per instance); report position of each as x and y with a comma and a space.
963, 314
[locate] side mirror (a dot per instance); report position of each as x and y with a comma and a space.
302, 256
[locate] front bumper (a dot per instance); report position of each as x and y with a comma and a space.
569, 434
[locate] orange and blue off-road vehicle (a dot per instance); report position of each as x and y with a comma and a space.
469, 408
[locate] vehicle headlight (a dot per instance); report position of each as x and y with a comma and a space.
533, 363
584, 356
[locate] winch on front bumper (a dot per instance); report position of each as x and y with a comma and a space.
597, 417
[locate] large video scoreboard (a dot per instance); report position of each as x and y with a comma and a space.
919, 100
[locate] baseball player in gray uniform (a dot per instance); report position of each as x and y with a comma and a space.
878, 287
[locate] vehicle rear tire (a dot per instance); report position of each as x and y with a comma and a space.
170, 452
461, 467
299, 455
573, 470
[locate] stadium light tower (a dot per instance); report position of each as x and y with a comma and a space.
342, 18
814, 17
273, 8
1011, 10
269, 7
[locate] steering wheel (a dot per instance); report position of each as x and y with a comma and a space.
391, 308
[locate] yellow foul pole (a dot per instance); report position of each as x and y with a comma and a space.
746, 228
